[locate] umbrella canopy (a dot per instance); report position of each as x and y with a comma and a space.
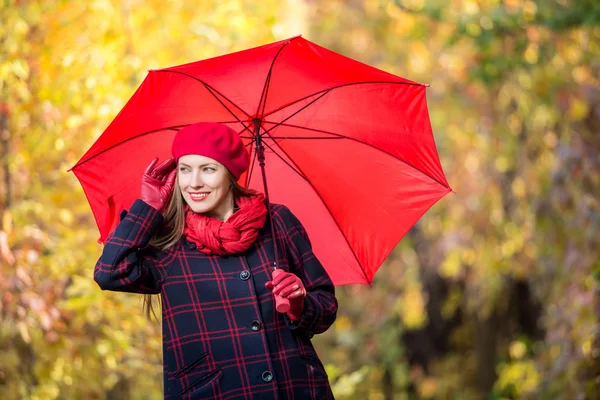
348, 148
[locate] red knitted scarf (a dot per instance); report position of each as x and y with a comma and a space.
214, 237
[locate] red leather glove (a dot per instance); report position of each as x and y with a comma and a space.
288, 285
157, 182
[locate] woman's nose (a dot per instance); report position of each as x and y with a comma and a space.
196, 181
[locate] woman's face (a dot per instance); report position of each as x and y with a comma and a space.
205, 186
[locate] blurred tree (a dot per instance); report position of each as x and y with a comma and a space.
506, 266
66, 68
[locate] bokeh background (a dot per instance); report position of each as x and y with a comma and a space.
495, 294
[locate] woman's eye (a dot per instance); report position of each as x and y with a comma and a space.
208, 169
183, 169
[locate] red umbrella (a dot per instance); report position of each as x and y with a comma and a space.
348, 148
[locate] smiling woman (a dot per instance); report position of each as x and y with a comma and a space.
206, 186
210, 258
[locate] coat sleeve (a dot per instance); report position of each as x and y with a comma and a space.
127, 263
320, 304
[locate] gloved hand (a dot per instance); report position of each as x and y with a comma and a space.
288, 285
157, 182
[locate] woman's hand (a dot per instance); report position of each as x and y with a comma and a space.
289, 286
157, 182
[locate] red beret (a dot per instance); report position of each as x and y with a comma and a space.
213, 140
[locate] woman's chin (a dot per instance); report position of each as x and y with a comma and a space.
199, 208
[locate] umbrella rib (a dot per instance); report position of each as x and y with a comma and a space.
285, 161
298, 111
308, 137
338, 136
212, 91
327, 208
253, 158
175, 127
265, 91
337, 87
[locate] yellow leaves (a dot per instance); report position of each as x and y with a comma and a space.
486, 22
7, 224
427, 388
343, 324
20, 27
517, 350
346, 385
515, 124
102, 6
58, 371
573, 54
412, 5
502, 163
23, 329
59, 144
543, 118
452, 303
586, 347
73, 121
578, 109
103, 348
19, 68
531, 53
582, 74
48, 390
419, 58
520, 377
411, 308
451, 267
512, 3
474, 29
5, 250
518, 188
529, 10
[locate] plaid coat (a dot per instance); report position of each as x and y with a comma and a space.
222, 337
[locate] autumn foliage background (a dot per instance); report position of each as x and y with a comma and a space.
494, 294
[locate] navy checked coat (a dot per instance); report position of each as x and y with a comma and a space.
222, 337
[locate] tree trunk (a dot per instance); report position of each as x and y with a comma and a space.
485, 352
4, 138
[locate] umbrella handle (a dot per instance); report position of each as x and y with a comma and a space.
282, 304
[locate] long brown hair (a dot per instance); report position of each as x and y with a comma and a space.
171, 231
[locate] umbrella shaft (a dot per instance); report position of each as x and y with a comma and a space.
260, 154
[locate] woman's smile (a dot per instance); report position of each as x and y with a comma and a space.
199, 196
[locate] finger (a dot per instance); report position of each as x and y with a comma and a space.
269, 285
297, 294
171, 178
150, 167
280, 276
289, 282
284, 283
289, 290
164, 167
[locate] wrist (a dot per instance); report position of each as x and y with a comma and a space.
296, 309
153, 204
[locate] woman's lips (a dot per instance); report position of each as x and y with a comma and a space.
198, 196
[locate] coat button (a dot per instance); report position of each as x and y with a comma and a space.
245, 275
255, 326
267, 376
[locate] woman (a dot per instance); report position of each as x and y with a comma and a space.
210, 258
